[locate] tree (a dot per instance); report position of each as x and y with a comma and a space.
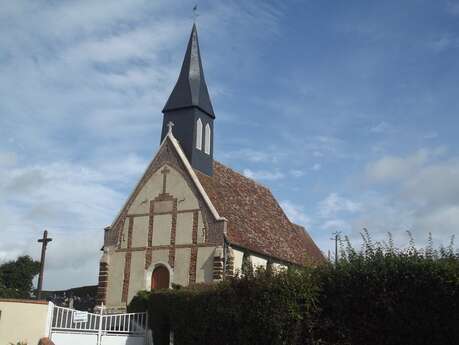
16, 277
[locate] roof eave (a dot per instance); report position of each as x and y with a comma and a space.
168, 109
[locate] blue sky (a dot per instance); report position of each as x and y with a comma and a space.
347, 110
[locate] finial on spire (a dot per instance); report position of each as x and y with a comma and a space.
195, 13
170, 124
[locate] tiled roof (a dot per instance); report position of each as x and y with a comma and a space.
255, 219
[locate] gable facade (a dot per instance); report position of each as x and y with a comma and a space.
166, 222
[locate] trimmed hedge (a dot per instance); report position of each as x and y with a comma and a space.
389, 299
257, 309
377, 296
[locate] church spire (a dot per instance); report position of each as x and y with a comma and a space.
190, 111
191, 89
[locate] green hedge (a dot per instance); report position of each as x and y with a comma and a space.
389, 299
377, 296
257, 309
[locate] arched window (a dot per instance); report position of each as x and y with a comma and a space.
207, 140
160, 278
199, 134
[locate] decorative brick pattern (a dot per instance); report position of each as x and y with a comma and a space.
164, 246
148, 257
165, 171
168, 155
193, 264
150, 223
130, 229
149, 252
194, 249
218, 268
103, 283
127, 276
120, 227
229, 268
218, 264
127, 262
194, 234
173, 233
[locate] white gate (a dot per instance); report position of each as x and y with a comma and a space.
73, 327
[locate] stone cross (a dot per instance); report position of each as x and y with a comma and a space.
44, 243
170, 124
165, 171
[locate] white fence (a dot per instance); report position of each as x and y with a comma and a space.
73, 327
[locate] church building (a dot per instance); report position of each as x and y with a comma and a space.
191, 219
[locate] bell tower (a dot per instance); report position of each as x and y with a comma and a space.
190, 110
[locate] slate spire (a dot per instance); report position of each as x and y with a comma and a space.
191, 89
190, 111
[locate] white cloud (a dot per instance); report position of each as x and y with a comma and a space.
390, 168
74, 202
317, 154
423, 196
263, 174
316, 146
336, 225
444, 42
334, 204
250, 155
380, 127
7, 159
297, 173
434, 184
316, 167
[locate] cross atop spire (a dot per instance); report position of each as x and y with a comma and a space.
195, 13
170, 124
191, 89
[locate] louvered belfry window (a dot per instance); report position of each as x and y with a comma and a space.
207, 139
199, 134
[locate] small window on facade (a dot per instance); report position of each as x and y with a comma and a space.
207, 139
199, 134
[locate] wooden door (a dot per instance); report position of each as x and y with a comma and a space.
160, 278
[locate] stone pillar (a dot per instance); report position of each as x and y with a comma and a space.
218, 264
103, 278
229, 268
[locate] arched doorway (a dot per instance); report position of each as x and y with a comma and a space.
160, 278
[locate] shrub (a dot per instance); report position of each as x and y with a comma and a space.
382, 295
378, 295
261, 308
16, 277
